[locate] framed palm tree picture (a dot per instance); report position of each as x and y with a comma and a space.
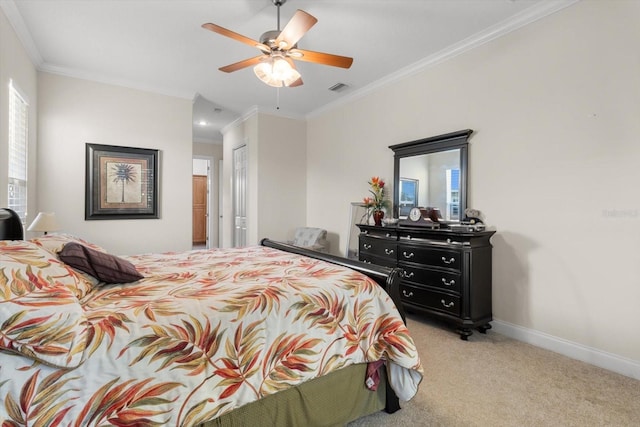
121, 182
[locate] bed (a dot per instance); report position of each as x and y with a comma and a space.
265, 335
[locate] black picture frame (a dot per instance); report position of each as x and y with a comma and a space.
121, 182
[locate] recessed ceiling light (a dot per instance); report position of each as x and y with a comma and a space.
202, 123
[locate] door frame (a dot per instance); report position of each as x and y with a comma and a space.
212, 219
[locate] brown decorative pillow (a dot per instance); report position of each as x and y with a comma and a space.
104, 267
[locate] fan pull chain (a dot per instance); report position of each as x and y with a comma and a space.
277, 98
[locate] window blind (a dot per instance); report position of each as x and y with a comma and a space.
18, 120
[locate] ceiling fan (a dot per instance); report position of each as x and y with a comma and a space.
275, 65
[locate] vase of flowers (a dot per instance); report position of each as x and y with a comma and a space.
378, 202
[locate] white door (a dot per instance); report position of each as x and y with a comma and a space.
204, 165
240, 196
220, 203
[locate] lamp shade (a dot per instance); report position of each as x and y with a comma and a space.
276, 72
45, 221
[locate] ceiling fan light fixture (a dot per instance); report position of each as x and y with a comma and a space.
275, 67
264, 72
276, 72
293, 77
282, 70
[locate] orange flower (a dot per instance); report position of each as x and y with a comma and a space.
378, 202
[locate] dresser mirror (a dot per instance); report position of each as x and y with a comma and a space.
431, 173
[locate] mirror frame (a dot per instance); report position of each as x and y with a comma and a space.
434, 144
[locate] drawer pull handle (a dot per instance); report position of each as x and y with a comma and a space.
407, 275
447, 305
448, 261
407, 294
408, 255
388, 235
388, 251
368, 246
450, 283
366, 262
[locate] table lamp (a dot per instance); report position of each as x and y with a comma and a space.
45, 221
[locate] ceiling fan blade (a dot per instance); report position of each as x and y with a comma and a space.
321, 58
242, 64
239, 37
295, 29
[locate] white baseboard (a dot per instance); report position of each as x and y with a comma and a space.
593, 356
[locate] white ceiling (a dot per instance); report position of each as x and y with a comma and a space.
159, 45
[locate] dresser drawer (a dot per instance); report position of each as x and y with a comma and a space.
436, 278
384, 261
382, 232
434, 257
431, 299
381, 247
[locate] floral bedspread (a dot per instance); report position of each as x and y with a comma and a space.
203, 333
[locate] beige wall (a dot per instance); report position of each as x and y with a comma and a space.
15, 65
282, 176
553, 165
73, 112
276, 176
233, 138
209, 150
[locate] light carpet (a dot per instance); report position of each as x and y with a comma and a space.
492, 380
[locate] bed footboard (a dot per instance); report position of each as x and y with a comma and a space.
387, 278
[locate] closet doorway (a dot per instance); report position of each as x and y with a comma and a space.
200, 212
201, 202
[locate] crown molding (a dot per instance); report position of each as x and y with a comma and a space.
15, 19
517, 21
95, 77
525, 17
253, 110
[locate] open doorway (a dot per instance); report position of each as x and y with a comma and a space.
203, 189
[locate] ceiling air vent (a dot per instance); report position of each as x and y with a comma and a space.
338, 87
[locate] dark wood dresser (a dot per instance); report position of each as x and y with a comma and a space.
445, 274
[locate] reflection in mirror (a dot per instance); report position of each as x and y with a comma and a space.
431, 180
409, 195
432, 173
